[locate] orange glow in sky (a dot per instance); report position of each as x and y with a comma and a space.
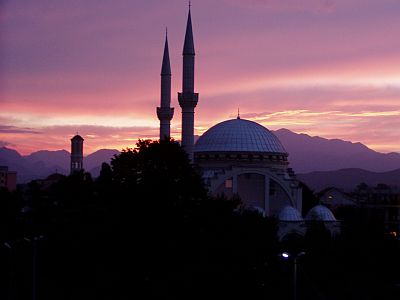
326, 68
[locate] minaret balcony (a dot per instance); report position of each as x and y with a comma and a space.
188, 100
165, 113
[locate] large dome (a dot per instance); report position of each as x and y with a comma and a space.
239, 135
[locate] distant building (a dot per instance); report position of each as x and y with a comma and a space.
334, 198
76, 153
8, 179
46, 183
382, 201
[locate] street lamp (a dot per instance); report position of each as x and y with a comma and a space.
286, 256
34, 241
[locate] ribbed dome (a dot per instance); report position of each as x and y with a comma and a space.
320, 213
239, 135
290, 214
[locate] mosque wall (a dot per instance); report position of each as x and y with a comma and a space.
251, 189
278, 198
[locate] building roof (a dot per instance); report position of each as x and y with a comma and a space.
290, 214
320, 213
77, 137
238, 135
55, 177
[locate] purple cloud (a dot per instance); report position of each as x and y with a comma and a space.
17, 130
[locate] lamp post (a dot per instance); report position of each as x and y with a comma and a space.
286, 255
9, 275
34, 241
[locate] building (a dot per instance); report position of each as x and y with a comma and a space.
237, 156
320, 214
8, 179
76, 153
45, 184
244, 158
291, 224
335, 198
382, 202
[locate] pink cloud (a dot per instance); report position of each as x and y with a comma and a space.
284, 5
70, 61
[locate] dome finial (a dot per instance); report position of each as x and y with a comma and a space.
238, 115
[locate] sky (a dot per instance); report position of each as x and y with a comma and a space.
328, 68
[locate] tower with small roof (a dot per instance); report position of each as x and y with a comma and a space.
76, 153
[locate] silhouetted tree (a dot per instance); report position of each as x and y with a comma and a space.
146, 228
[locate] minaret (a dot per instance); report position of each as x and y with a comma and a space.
165, 112
76, 153
188, 98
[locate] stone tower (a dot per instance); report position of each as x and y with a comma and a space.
188, 98
165, 112
76, 153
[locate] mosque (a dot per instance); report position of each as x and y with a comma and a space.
238, 156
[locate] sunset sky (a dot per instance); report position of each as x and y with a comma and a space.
323, 67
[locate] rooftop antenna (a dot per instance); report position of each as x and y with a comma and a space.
238, 115
190, 4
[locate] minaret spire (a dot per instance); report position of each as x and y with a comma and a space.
166, 66
165, 112
188, 47
188, 98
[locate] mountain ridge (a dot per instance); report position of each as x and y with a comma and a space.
40, 164
348, 179
309, 154
306, 154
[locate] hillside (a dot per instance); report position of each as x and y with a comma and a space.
309, 154
306, 154
348, 179
42, 163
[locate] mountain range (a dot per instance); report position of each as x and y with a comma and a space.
348, 179
307, 154
42, 163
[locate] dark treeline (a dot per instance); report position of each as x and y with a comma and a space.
147, 228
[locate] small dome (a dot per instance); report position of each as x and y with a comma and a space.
290, 214
320, 213
238, 135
